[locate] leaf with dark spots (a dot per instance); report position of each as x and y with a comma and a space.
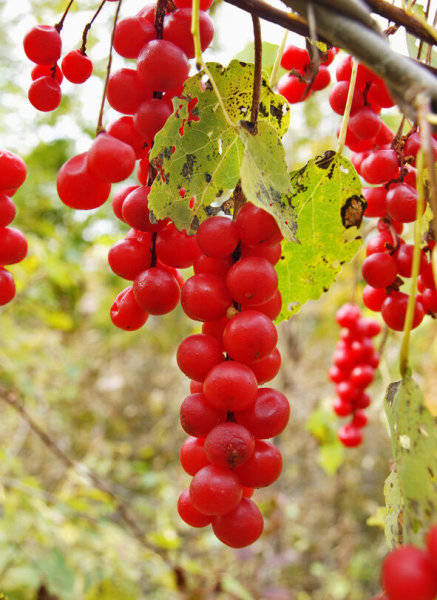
311, 267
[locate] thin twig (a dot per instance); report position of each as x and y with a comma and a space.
85, 473
100, 127
257, 71
401, 17
60, 24
88, 27
275, 71
347, 110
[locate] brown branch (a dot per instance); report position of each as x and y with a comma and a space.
273, 15
257, 71
404, 78
84, 472
400, 17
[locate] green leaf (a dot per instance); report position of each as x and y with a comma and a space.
414, 441
269, 52
326, 195
393, 511
264, 177
197, 153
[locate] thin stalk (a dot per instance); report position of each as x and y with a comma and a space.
350, 95
60, 24
100, 127
88, 27
403, 359
275, 71
423, 114
201, 64
256, 95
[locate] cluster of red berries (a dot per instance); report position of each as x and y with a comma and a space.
43, 46
143, 96
234, 293
293, 85
389, 166
13, 244
410, 573
352, 371
150, 256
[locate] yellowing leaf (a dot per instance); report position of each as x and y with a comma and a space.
414, 441
264, 177
326, 196
198, 155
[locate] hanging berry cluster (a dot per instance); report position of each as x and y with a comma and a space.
234, 293
386, 162
352, 371
294, 85
13, 244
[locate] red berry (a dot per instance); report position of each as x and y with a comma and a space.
407, 572
42, 44
45, 94
78, 187
77, 66
241, 527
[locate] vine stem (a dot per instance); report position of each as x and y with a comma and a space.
256, 95
201, 64
100, 127
345, 120
89, 476
274, 78
403, 358
88, 27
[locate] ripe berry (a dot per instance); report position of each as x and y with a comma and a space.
241, 527
162, 66
125, 312
110, 159
230, 385
197, 354
249, 336
77, 66
189, 514
229, 445
42, 44
407, 572
215, 491
78, 187
156, 291
45, 94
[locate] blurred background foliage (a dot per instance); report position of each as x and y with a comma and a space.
110, 400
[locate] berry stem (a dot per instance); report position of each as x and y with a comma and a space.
201, 64
257, 71
60, 24
100, 127
404, 367
347, 110
274, 78
423, 112
159, 18
88, 27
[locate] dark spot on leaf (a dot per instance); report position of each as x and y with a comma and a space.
276, 112
208, 177
352, 211
324, 161
208, 86
187, 169
262, 109
325, 289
